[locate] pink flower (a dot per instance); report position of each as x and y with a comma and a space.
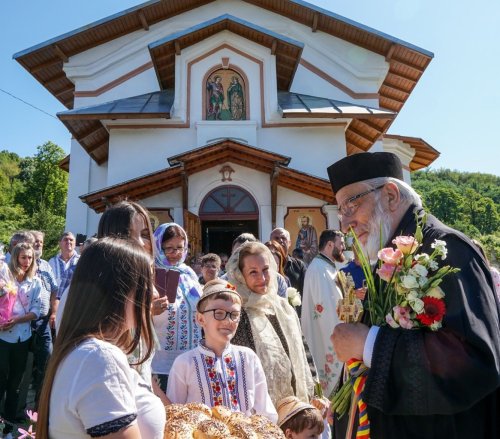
401, 312
26, 434
327, 369
390, 256
329, 358
32, 415
391, 322
386, 271
406, 323
407, 244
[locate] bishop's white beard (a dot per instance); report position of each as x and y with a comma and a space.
379, 232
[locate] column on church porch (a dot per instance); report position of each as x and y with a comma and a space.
331, 211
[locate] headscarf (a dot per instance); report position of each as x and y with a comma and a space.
188, 280
277, 365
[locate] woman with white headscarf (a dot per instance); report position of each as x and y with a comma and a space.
176, 328
269, 325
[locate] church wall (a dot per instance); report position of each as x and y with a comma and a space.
133, 153
311, 149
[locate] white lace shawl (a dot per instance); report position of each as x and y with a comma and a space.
277, 364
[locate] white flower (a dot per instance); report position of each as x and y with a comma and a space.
440, 247
293, 297
415, 302
433, 265
435, 326
422, 258
409, 282
420, 270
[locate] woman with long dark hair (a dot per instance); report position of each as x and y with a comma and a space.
90, 388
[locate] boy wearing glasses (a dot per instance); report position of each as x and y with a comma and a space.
216, 372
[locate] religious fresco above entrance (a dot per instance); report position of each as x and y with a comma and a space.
226, 98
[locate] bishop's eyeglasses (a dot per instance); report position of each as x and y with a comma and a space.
350, 206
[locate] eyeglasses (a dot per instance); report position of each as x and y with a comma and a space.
170, 250
349, 207
220, 314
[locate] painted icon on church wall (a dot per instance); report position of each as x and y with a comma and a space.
225, 99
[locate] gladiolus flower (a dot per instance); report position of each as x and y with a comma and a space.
390, 256
406, 244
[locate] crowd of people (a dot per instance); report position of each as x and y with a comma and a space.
230, 334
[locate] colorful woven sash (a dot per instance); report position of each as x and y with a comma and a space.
359, 372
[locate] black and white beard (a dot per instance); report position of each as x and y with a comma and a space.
381, 222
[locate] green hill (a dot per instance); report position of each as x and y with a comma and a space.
467, 201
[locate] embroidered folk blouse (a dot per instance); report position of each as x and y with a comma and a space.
235, 379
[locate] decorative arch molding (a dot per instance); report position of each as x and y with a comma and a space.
229, 202
225, 65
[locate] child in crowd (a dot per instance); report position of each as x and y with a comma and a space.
217, 372
299, 420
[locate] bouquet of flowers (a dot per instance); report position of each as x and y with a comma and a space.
407, 296
8, 293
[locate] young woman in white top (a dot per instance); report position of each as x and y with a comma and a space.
15, 333
89, 389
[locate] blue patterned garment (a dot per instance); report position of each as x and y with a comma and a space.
176, 328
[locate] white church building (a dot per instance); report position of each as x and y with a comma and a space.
224, 115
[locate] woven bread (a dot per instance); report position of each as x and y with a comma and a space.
178, 430
200, 407
221, 413
211, 429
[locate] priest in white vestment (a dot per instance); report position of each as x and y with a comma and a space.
319, 308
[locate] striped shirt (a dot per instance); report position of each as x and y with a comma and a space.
63, 271
49, 285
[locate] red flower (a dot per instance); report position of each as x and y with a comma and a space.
434, 310
230, 287
319, 308
227, 359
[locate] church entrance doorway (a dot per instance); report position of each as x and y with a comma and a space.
225, 213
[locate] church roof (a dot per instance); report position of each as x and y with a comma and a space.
45, 60
406, 61
299, 105
86, 127
286, 50
425, 154
199, 159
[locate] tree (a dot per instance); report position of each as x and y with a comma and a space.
45, 184
445, 203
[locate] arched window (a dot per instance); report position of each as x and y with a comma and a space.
226, 96
228, 202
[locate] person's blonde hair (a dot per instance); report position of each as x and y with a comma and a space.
14, 266
110, 273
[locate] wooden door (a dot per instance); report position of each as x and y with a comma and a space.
192, 226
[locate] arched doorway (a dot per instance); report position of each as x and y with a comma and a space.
226, 212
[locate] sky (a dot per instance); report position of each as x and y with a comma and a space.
454, 107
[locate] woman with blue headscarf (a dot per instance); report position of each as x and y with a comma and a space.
176, 328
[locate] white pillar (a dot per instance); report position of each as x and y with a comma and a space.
332, 212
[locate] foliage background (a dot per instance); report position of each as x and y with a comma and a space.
33, 194
469, 202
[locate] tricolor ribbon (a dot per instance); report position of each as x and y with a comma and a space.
358, 372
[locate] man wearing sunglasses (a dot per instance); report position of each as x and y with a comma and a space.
421, 383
